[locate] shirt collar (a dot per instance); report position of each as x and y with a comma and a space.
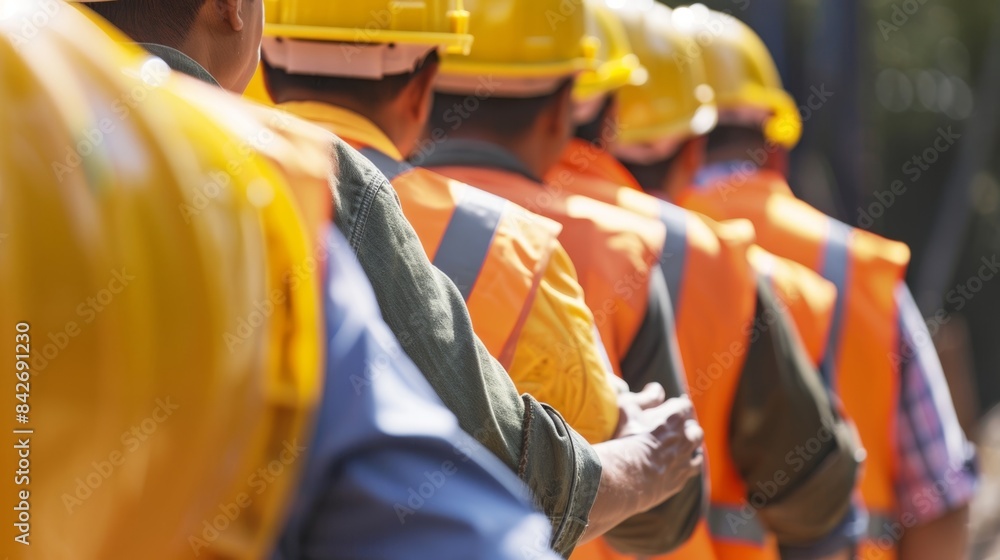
180, 62
476, 153
718, 171
345, 123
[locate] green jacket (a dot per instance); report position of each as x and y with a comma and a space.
428, 315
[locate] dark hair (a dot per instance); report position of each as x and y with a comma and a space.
369, 93
505, 117
650, 176
165, 22
593, 131
725, 136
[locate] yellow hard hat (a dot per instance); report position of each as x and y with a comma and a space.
675, 103
441, 23
617, 65
740, 69
528, 46
137, 258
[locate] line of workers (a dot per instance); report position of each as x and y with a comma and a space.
561, 302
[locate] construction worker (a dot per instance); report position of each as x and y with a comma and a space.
719, 300
523, 297
148, 434
520, 286
878, 358
615, 253
580, 488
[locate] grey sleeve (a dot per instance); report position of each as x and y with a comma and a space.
785, 434
654, 356
426, 312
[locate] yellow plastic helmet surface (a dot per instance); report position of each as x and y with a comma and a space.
617, 65
140, 259
443, 23
525, 39
740, 69
674, 103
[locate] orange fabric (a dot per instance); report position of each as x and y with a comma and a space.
613, 251
589, 160
866, 377
714, 310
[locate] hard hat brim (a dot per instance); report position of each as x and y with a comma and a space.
609, 77
452, 43
701, 123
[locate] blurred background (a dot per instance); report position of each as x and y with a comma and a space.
901, 104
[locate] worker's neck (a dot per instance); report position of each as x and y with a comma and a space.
202, 49
389, 118
534, 152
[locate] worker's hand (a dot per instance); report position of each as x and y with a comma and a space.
640, 412
655, 452
673, 438
632, 405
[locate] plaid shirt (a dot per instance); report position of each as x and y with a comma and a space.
937, 465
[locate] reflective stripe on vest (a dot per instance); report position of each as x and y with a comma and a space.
881, 526
674, 250
727, 523
469, 235
836, 262
467, 239
389, 167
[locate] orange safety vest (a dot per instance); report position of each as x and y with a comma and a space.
858, 361
710, 271
613, 251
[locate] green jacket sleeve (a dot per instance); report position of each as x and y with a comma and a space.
426, 312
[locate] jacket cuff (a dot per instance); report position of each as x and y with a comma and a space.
562, 470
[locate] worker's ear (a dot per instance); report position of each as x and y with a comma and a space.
419, 93
232, 12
